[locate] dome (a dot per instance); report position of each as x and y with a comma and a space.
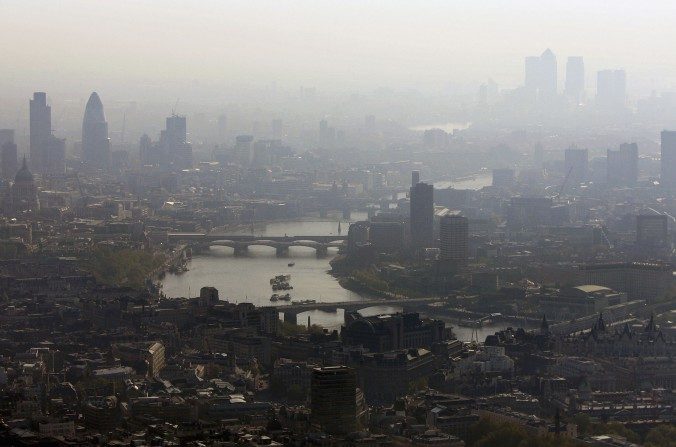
94, 110
24, 174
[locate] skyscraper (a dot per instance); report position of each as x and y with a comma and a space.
541, 75
422, 215
244, 149
40, 129
174, 140
334, 399
95, 141
415, 177
611, 89
47, 153
623, 165
453, 239
668, 160
8, 154
575, 78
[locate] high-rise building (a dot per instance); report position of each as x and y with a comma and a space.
277, 129
415, 177
334, 399
668, 160
454, 239
622, 165
47, 153
576, 165
174, 141
575, 78
40, 129
541, 75
95, 141
611, 89
422, 215
8, 154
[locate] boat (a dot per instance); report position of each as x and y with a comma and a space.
291, 264
304, 302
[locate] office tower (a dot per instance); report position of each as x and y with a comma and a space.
174, 142
244, 149
503, 178
651, 230
575, 78
422, 215
8, 154
541, 75
95, 141
47, 153
548, 75
415, 177
611, 89
333, 403
454, 239
576, 165
668, 160
40, 129
622, 165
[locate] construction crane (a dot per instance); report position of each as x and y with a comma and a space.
563, 185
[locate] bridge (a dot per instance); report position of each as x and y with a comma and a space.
291, 311
241, 243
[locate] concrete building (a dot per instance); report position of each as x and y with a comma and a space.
391, 332
573, 302
574, 88
639, 280
422, 216
454, 239
622, 168
334, 399
668, 160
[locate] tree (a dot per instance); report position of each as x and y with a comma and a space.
661, 436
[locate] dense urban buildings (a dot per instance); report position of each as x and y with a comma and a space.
377, 257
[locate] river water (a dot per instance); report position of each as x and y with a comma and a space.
247, 278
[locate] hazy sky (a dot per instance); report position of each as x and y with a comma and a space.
82, 44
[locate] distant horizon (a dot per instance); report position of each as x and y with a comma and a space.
154, 48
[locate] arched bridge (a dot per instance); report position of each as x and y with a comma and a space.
292, 310
241, 243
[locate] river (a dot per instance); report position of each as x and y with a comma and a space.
247, 278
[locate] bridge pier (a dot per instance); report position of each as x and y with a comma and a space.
290, 317
322, 251
282, 251
241, 250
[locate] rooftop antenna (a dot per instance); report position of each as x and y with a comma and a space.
124, 126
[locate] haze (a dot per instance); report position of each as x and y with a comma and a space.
72, 47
